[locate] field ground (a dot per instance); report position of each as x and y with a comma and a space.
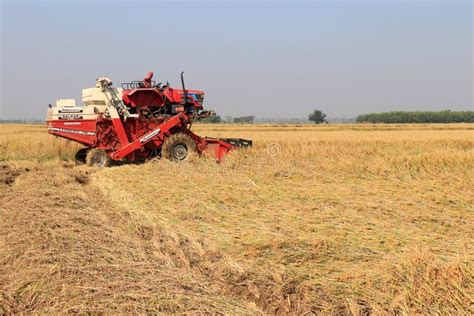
334, 219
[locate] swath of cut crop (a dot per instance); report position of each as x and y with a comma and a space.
64, 249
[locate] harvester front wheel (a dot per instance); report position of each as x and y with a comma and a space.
178, 147
97, 158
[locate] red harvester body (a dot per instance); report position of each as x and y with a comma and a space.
140, 121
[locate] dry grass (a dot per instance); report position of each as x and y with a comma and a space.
351, 219
33, 143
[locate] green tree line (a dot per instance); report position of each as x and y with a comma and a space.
417, 117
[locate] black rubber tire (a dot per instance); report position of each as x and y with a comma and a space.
97, 158
178, 147
81, 155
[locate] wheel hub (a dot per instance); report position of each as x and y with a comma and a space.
180, 151
98, 160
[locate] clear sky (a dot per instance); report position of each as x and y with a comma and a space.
263, 58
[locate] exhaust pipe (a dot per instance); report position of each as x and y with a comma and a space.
184, 88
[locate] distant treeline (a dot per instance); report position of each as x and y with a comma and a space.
22, 121
244, 119
217, 119
417, 117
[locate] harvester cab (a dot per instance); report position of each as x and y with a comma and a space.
139, 121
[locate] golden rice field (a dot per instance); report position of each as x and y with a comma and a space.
333, 219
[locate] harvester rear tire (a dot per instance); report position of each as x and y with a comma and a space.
97, 158
81, 155
179, 147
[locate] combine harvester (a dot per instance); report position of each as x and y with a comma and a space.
142, 120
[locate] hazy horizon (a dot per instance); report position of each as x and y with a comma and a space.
269, 59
